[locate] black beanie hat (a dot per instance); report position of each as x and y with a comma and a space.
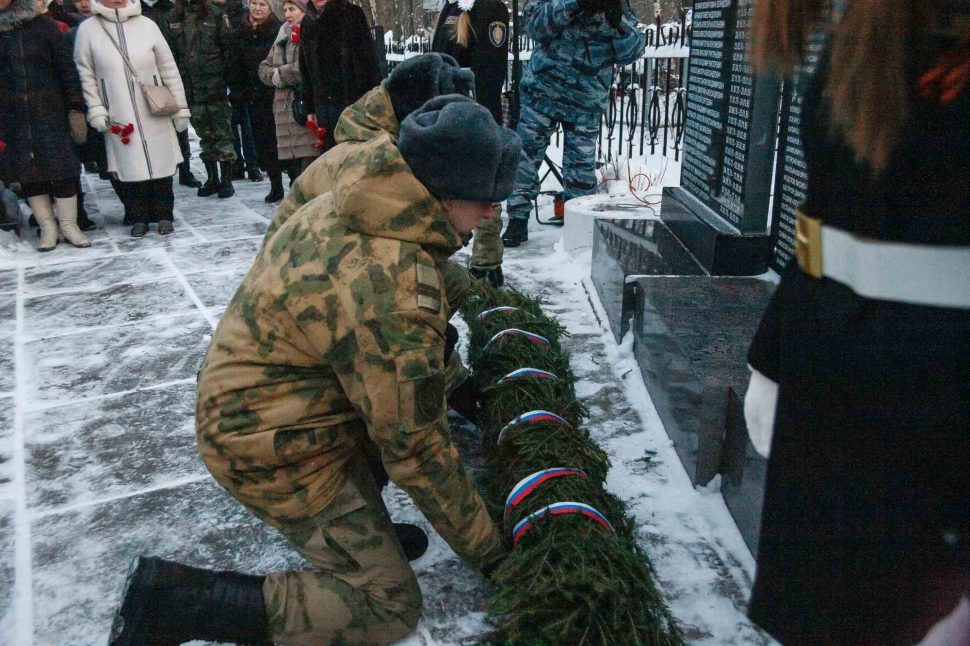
415, 80
454, 147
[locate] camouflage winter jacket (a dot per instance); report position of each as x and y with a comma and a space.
368, 117
571, 68
201, 42
335, 341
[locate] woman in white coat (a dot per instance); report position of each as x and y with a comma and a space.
143, 150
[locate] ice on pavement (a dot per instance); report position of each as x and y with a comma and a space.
98, 354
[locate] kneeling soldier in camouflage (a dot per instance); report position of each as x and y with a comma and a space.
332, 351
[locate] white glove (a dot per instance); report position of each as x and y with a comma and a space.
760, 403
99, 123
277, 79
181, 123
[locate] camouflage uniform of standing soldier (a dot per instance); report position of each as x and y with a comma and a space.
331, 350
199, 34
476, 34
567, 81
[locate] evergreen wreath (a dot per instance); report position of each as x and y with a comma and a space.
575, 574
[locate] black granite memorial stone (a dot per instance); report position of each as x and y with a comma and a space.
630, 247
691, 337
791, 178
729, 135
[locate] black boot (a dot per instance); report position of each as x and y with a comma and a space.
211, 186
84, 223
275, 188
186, 178
166, 603
238, 168
516, 233
413, 540
493, 276
254, 175
225, 188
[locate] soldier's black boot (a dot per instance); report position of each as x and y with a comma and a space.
275, 187
493, 276
211, 186
166, 603
253, 174
225, 187
186, 178
516, 232
413, 540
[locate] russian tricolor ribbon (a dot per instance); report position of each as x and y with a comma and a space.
514, 331
557, 509
495, 310
530, 483
532, 417
527, 372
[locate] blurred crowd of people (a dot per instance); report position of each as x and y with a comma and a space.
77, 87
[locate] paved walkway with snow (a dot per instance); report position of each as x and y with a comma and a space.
98, 354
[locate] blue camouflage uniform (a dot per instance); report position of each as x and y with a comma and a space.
567, 81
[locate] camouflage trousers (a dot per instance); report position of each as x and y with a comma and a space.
578, 157
487, 245
212, 121
361, 589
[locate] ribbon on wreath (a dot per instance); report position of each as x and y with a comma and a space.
495, 310
514, 331
558, 509
532, 417
530, 483
523, 373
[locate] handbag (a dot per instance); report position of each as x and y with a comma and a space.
298, 107
161, 101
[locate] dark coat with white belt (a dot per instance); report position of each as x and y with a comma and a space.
866, 526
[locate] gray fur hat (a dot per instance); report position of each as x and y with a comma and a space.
415, 80
454, 147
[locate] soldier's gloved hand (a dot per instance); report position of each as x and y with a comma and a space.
181, 123
99, 123
488, 570
613, 11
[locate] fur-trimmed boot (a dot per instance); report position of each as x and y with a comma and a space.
166, 603
43, 210
67, 214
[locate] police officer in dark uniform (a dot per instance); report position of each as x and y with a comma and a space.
476, 34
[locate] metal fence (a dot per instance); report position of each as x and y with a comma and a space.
646, 108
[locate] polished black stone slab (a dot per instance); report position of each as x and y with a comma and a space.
633, 247
719, 247
691, 337
742, 473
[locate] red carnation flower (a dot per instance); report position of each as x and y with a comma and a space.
311, 124
116, 128
3, 146
127, 130
295, 34
321, 133
125, 140
318, 145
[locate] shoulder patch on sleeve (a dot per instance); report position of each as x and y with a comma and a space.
497, 33
429, 288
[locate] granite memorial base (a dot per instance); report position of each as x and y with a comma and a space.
691, 337
719, 247
623, 249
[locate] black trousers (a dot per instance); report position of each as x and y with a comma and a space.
148, 201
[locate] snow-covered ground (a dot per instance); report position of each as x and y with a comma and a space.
98, 354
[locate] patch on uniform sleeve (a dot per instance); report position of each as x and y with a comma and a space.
498, 31
429, 288
429, 393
